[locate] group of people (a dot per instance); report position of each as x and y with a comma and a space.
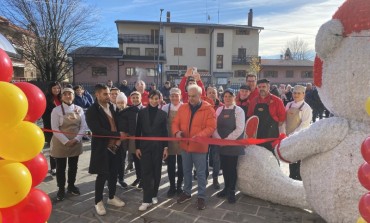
187, 112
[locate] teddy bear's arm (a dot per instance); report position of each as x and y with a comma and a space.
318, 138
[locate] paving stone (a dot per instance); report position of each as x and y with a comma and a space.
240, 217
253, 201
247, 209
237, 207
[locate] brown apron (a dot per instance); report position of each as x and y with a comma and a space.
173, 146
292, 119
71, 124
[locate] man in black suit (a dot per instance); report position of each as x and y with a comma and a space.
101, 119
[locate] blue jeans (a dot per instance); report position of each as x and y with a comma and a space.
214, 158
200, 162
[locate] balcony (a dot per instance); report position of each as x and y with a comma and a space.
143, 58
141, 39
241, 60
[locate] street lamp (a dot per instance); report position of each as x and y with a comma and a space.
159, 79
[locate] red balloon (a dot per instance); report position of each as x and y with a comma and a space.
35, 208
36, 101
38, 167
365, 149
6, 67
363, 175
363, 207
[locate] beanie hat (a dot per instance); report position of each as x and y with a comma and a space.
121, 97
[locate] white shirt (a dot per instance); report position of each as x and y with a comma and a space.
106, 110
172, 108
305, 115
57, 118
240, 122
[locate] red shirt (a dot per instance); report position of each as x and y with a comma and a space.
254, 94
184, 93
276, 107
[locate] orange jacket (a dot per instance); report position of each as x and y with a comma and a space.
203, 124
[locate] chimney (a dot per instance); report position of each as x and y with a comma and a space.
250, 17
168, 16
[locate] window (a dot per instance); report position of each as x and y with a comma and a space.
240, 73
242, 32
133, 51
270, 73
180, 67
201, 52
289, 74
150, 72
99, 71
178, 51
178, 30
220, 40
130, 71
201, 30
306, 74
150, 52
220, 62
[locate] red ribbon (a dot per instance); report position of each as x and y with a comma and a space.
198, 139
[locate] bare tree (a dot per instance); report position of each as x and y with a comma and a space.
255, 65
56, 27
297, 49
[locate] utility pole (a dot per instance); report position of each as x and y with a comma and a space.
159, 77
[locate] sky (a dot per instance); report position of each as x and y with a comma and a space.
282, 20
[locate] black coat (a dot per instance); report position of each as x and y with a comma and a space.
157, 129
98, 123
127, 120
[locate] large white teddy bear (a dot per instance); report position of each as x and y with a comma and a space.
330, 148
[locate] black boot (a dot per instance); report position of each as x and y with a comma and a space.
179, 188
222, 193
216, 184
171, 192
61, 193
231, 197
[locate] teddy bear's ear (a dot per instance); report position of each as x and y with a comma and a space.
328, 38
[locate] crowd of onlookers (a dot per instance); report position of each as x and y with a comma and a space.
185, 111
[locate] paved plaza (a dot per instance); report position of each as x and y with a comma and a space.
80, 209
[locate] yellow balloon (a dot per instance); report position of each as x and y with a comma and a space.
361, 220
15, 183
22, 142
14, 105
367, 105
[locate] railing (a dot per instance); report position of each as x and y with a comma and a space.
241, 60
142, 39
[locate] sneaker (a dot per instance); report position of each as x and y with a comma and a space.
183, 198
201, 204
135, 183
216, 184
144, 206
116, 202
53, 172
100, 209
155, 200
140, 186
60, 195
171, 192
73, 190
123, 184
222, 193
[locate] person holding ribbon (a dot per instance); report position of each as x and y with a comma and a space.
151, 122
69, 125
230, 126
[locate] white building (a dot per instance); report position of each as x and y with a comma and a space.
221, 53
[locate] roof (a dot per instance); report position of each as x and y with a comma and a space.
97, 52
209, 25
286, 63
